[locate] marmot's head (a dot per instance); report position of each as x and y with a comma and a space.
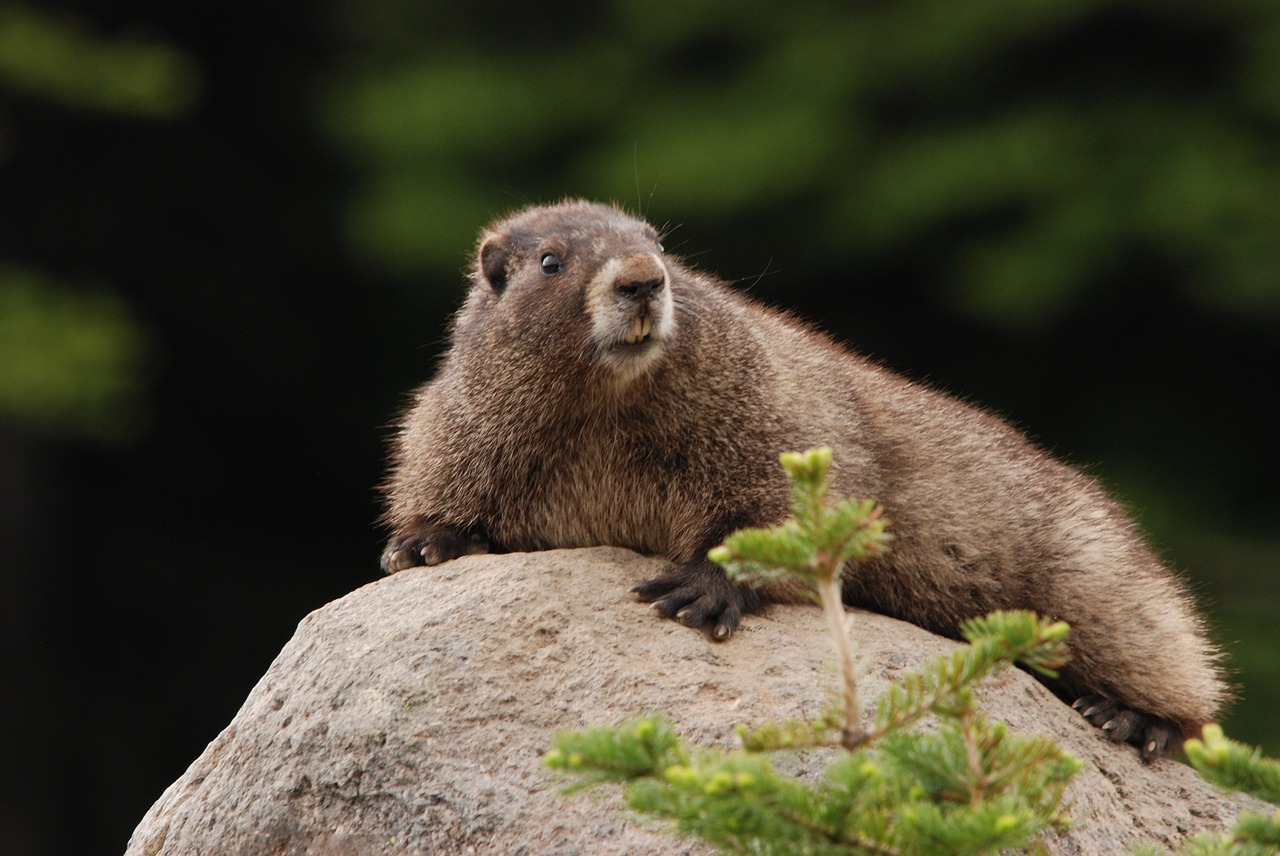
577, 279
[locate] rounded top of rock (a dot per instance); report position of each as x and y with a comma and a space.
412, 714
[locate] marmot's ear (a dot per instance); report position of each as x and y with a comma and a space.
494, 255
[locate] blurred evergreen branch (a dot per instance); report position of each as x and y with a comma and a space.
71, 360
1234, 765
58, 59
1034, 150
1237, 767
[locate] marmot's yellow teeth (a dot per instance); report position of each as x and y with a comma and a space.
640, 327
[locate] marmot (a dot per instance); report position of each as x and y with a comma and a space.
598, 391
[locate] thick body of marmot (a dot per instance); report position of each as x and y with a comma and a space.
597, 391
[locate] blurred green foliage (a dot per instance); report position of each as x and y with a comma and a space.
72, 361
1032, 155
72, 358
59, 59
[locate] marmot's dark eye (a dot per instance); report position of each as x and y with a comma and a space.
661, 248
550, 263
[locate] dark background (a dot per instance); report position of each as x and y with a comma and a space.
231, 235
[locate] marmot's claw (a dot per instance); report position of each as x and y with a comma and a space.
699, 595
1152, 735
428, 544
398, 560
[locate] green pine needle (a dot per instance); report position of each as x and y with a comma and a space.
633, 750
819, 538
1234, 765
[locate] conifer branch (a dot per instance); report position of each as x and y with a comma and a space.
814, 545
969, 787
995, 641
1234, 765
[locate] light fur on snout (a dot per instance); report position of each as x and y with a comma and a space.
627, 335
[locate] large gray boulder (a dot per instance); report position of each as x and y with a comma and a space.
411, 716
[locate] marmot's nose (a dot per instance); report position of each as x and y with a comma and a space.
640, 277
639, 291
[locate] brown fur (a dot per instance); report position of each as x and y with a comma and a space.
543, 428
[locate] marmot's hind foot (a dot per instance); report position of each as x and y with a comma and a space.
1153, 735
698, 594
429, 544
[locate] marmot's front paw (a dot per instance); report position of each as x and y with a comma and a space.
429, 545
1152, 735
699, 594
